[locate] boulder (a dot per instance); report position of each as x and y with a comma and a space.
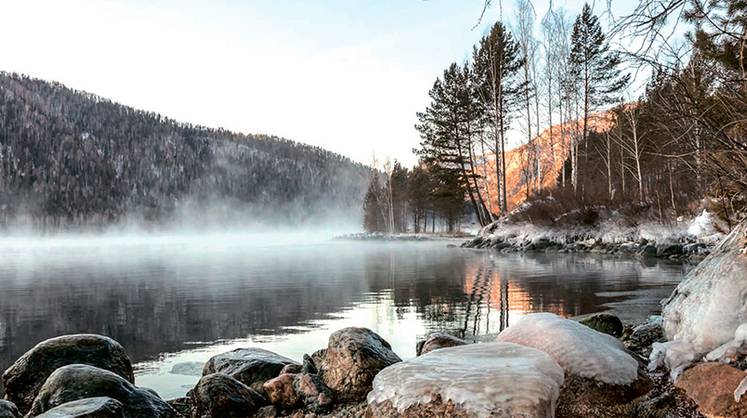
250, 366
79, 381
25, 377
648, 250
606, 323
436, 340
288, 391
588, 398
8, 410
100, 407
578, 349
189, 368
712, 387
352, 358
314, 394
218, 395
280, 391
474, 380
708, 306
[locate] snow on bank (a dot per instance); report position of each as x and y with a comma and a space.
578, 349
708, 308
614, 230
485, 379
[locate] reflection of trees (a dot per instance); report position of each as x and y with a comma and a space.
156, 304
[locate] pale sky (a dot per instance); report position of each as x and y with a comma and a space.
347, 75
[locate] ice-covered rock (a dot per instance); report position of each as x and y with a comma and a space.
709, 305
475, 380
578, 349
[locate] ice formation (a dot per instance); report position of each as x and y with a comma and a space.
675, 355
710, 304
740, 390
577, 348
485, 379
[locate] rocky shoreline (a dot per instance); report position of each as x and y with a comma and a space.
681, 249
382, 237
356, 375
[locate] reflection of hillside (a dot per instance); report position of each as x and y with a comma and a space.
159, 300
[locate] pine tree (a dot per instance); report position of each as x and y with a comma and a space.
496, 66
373, 220
594, 67
448, 127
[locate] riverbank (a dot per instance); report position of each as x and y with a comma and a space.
616, 236
380, 236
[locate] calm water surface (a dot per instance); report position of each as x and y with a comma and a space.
176, 301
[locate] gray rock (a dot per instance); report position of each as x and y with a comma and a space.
25, 377
79, 381
8, 410
100, 407
218, 395
352, 358
648, 251
668, 249
190, 368
250, 366
436, 340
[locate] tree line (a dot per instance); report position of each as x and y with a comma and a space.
673, 149
70, 159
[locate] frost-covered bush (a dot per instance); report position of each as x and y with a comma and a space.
490, 378
578, 349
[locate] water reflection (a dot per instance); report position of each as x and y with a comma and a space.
183, 300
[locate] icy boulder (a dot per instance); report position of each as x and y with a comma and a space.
475, 380
578, 349
708, 306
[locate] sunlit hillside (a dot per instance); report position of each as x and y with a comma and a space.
553, 145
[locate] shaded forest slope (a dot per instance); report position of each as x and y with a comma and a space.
69, 158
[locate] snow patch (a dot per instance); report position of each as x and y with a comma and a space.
485, 379
577, 348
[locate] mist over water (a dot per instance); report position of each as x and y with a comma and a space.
177, 299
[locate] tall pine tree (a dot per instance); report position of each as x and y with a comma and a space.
594, 66
496, 68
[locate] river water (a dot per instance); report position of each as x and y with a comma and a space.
174, 301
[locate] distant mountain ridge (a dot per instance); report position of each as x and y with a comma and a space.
70, 158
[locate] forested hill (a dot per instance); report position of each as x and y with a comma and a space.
69, 158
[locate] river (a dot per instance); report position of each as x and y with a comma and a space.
178, 300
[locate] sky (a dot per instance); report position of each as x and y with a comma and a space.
346, 75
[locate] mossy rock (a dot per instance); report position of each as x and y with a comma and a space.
605, 323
